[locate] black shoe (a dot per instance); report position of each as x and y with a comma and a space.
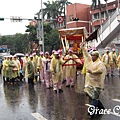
48, 87
55, 91
64, 81
67, 85
60, 90
72, 86
107, 75
112, 74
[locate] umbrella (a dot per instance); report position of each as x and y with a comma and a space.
19, 54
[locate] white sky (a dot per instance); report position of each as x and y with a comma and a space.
24, 9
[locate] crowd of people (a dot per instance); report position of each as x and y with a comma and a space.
43, 68
54, 69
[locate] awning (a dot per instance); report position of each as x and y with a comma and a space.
73, 33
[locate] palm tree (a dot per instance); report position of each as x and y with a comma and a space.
62, 4
52, 11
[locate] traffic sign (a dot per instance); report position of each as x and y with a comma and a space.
60, 19
15, 19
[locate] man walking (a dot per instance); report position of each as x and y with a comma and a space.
56, 69
95, 75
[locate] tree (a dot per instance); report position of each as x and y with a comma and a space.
62, 4
32, 36
51, 38
47, 28
32, 33
52, 11
16, 43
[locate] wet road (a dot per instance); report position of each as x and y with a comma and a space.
22, 102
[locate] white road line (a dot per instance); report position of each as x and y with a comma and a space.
88, 105
112, 113
38, 116
117, 100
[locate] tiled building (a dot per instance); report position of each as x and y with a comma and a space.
80, 11
90, 18
98, 15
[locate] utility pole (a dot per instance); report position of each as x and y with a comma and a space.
42, 31
39, 30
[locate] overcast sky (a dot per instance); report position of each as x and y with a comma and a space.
24, 9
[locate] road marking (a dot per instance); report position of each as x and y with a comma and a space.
88, 105
117, 100
112, 113
38, 116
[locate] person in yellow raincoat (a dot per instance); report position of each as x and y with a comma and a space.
47, 73
118, 63
106, 60
53, 56
24, 69
11, 65
42, 76
84, 66
71, 68
39, 66
95, 75
30, 71
4, 69
35, 59
56, 69
17, 67
64, 69
113, 61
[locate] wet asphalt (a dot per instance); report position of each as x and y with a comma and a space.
19, 101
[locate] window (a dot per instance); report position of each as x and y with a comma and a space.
71, 17
95, 16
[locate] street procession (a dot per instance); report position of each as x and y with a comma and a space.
66, 64
57, 69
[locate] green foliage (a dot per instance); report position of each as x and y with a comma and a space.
16, 43
32, 33
47, 28
52, 40
22, 42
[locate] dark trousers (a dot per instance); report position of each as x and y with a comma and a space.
97, 103
4, 79
30, 81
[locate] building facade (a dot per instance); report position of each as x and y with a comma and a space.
100, 16
90, 18
80, 12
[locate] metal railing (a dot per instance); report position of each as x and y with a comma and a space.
108, 22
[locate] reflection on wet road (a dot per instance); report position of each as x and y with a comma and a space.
23, 102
